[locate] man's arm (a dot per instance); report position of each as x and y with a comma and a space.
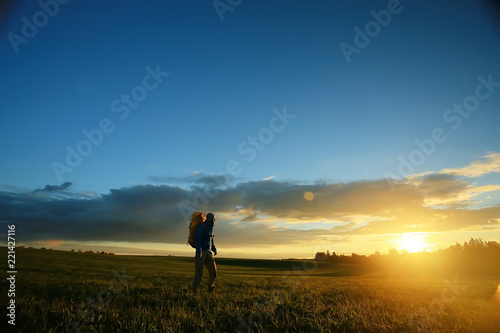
214, 249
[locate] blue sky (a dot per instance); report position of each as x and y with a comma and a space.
349, 122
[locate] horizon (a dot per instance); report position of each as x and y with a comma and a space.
304, 127
391, 252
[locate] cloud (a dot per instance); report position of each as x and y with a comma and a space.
443, 189
215, 180
252, 213
142, 213
285, 200
477, 168
53, 188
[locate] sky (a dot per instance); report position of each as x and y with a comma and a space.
354, 126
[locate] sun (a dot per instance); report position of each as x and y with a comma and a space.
413, 243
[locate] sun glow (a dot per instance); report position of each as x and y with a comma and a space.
413, 243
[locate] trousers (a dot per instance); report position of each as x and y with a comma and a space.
207, 260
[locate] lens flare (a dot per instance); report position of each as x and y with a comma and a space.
309, 196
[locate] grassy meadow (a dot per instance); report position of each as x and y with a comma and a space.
60, 291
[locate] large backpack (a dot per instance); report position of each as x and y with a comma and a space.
195, 221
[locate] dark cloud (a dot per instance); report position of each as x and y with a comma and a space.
286, 199
52, 188
442, 186
198, 178
139, 214
245, 212
169, 179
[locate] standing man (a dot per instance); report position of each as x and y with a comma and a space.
205, 252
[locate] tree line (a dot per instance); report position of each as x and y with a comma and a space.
475, 257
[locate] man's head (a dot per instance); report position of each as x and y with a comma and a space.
210, 217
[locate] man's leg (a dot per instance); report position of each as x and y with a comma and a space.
212, 271
198, 273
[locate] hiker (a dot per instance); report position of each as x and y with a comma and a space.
205, 250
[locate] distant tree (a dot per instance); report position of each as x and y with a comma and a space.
320, 256
393, 252
357, 258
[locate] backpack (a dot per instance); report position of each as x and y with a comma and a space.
195, 221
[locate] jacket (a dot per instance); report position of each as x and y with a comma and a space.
205, 242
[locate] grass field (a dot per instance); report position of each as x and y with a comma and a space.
80, 292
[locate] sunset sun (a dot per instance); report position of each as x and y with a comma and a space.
412, 243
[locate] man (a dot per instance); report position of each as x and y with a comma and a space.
205, 252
